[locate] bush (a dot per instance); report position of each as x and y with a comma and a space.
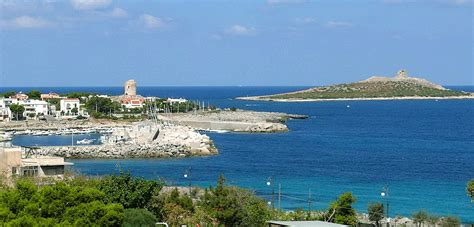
131, 192
139, 217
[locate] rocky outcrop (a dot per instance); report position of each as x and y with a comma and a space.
402, 75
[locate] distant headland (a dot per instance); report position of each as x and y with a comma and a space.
400, 86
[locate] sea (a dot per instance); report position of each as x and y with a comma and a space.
421, 152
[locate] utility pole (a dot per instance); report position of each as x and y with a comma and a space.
309, 202
270, 183
279, 196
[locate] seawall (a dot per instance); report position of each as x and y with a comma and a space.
120, 151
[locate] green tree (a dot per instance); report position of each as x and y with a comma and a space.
139, 217
101, 105
34, 94
376, 211
57, 204
8, 94
74, 111
17, 110
129, 191
450, 221
341, 211
420, 217
432, 220
470, 189
231, 206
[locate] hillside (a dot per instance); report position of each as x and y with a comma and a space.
399, 86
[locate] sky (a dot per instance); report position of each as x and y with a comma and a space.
232, 43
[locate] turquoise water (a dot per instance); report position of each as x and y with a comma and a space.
422, 149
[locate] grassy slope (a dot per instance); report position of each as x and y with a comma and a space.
369, 90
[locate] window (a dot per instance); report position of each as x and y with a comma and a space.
30, 171
14, 171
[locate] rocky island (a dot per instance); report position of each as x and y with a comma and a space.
374, 88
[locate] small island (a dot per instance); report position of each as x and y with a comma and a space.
374, 88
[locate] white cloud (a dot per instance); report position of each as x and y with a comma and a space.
150, 21
118, 12
26, 22
215, 37
240, 30
305, 20
338, 24
90, 4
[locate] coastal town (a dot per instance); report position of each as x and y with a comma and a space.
138, 127
271, 113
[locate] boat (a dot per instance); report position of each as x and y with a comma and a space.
85, 141
5, 136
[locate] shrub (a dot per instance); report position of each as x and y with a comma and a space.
139, 217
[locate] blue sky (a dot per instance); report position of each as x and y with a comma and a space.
210, 43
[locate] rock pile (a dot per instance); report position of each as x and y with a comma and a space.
120, 151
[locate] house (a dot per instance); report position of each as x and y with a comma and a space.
14, 162
33, 108
50, 95
19, 96
5, 113
70, 106
132, 102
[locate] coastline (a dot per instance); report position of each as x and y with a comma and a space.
266, 98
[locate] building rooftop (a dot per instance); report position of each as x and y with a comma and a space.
46, 161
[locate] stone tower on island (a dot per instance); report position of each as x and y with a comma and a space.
130, 88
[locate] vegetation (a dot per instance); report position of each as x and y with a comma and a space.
376, 211
123, 200
34, 94
17, 110
55, 102
177, 107
139, 217
372, 89
470, 189
8, 94
100, 107
341, 211
60, 203
421, 218
79, 95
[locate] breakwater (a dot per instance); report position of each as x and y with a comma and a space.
120, 151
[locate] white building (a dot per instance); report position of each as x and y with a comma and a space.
67, 106
33, 108
180, 100
5, 113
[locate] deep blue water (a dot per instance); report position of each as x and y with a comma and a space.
422, 149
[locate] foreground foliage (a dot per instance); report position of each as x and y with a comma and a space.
124, 200
60, 203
